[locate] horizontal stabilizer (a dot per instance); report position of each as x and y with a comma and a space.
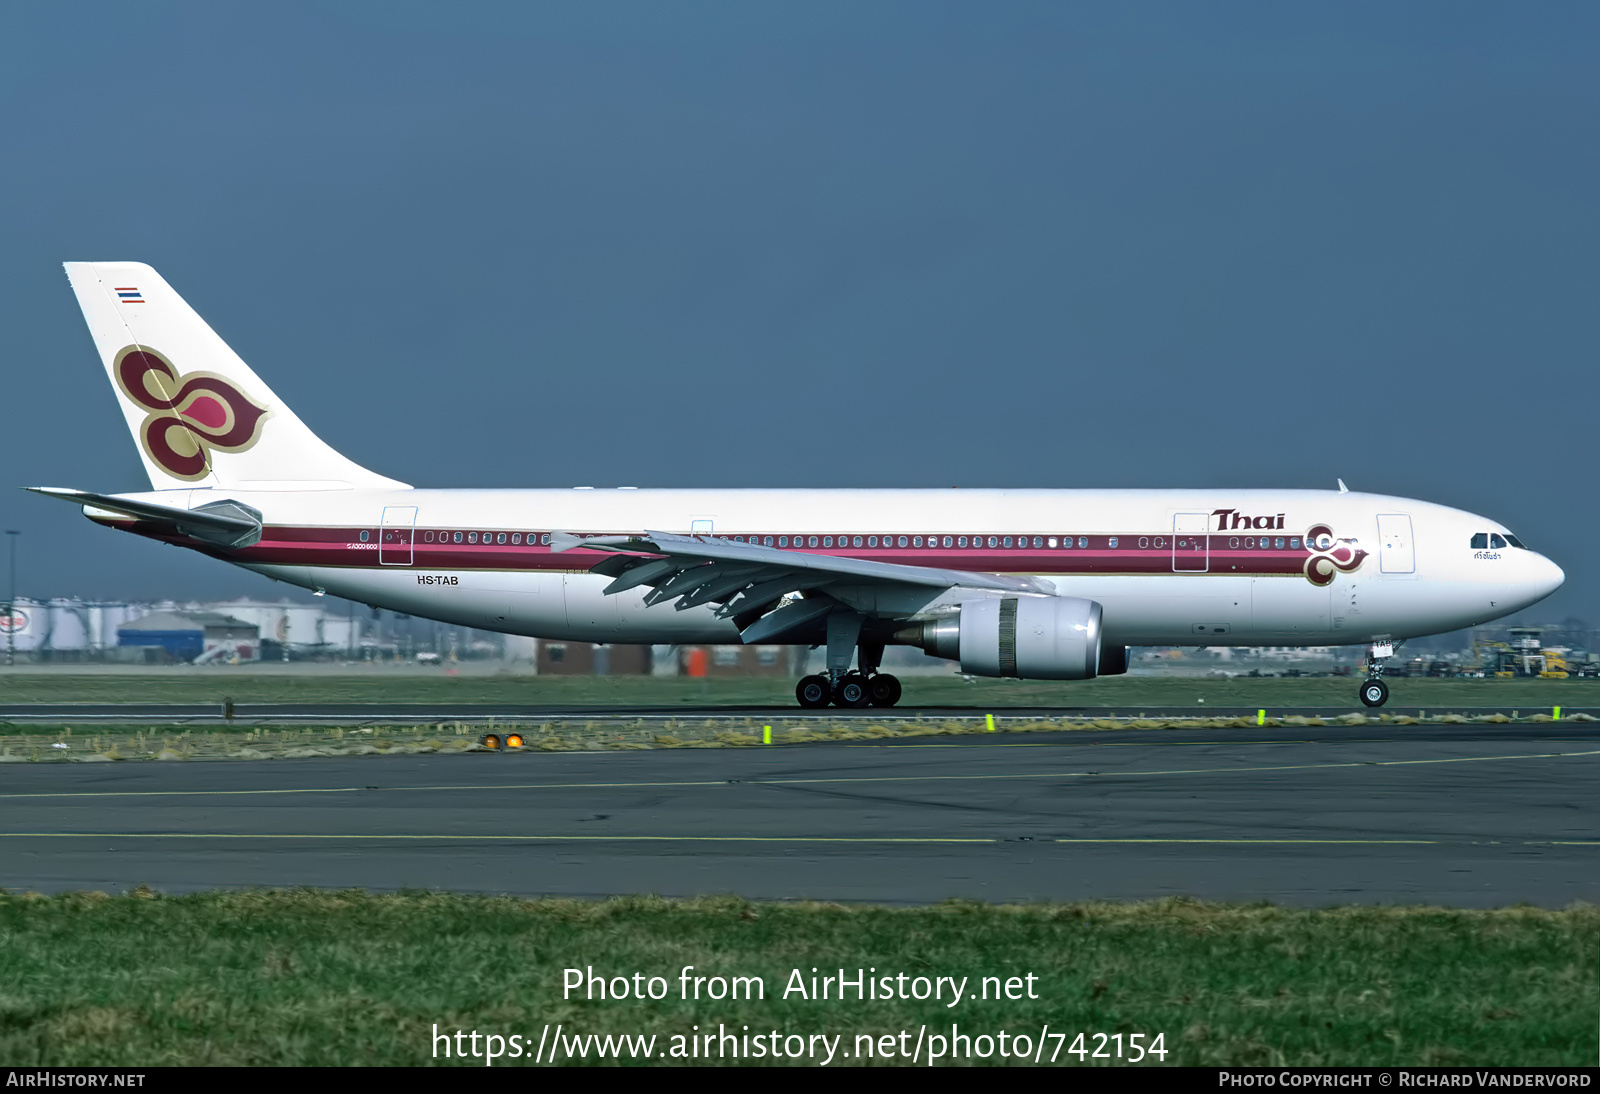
224, 523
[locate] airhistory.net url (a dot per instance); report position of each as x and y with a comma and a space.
557, 1045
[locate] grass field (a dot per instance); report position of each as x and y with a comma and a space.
302, 977
207, 685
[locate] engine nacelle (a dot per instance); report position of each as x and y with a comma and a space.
1029, 637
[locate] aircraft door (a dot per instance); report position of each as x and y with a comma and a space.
1397, 554
1191, 552
394, 538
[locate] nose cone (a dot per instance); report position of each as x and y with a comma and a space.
1545, 577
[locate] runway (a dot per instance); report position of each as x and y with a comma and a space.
1475, 816
267, 714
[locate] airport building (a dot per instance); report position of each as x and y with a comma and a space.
196, 637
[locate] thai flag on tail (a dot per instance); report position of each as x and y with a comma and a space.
130, 296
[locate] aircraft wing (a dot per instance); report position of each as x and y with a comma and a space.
745, 579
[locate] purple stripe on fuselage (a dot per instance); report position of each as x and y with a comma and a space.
343, 547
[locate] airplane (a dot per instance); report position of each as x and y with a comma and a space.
1039, 584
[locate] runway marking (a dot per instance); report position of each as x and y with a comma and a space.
814, 781
513, 837
1178, 771
1156, 839
1093, 744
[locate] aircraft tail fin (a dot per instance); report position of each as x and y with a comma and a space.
199, 414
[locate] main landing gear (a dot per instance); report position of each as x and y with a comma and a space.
1374, 692
865, 686
851, 690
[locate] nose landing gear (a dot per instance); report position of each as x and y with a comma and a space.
1374, 692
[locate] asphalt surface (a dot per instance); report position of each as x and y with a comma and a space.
1476, 816
405, 713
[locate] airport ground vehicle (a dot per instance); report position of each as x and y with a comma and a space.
1040, 584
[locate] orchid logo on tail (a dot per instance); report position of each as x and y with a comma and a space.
191, 413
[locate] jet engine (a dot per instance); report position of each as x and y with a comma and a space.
1030, 637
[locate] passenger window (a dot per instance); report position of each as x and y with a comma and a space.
500, 538
472, 537
1249, 543
1113, 542
1496, 541
1480, 541
1278, 543
516, 537
545, 538
902, 541
458, 537
1234, 543
827, 541
1083, 542
994, 541
916, 541
811, 541
946, 541
872, 541
1294, 543
961, 541
365, 535
1052, 541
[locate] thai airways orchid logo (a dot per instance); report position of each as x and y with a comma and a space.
191, 413
1330, 556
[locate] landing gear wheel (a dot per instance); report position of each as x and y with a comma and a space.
852, 692
1374, 692
884, 690
814, 691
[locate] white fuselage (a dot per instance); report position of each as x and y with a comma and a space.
1169, 567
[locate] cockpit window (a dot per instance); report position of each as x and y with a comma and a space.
1496, 540
1480, 541
1514, 541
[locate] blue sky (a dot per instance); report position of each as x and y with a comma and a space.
825, 244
